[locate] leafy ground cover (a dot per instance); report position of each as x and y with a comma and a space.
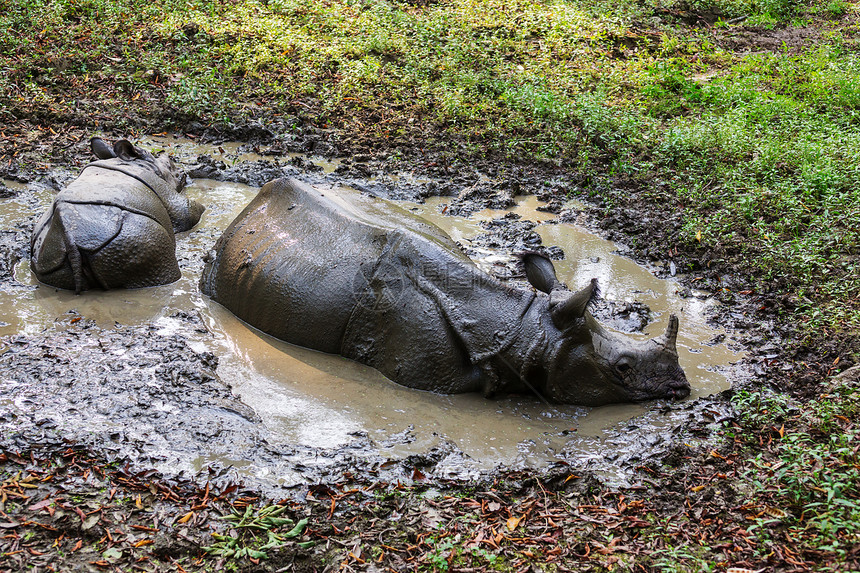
768, 498
721, 134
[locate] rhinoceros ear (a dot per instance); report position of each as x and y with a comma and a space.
539, 271
567, 307
126, 151
101, 149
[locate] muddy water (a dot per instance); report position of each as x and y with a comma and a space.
305, 397
312, 398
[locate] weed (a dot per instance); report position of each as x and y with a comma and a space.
249, 527
440, 557
816, 473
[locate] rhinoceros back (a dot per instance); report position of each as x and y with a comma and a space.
91, 236
288, 263
124, 185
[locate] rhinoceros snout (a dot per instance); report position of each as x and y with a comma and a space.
678, 389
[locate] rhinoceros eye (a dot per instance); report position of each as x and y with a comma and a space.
623, 366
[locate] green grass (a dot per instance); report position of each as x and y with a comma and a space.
770, 165
811, 478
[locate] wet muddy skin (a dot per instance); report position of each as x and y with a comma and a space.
164, 375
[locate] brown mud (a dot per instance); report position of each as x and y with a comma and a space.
317, 415
96, 406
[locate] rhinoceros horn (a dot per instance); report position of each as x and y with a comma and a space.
670, 337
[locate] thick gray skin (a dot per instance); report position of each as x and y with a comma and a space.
349, 274
113, 226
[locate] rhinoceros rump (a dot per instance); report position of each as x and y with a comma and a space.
113, 226
354, 275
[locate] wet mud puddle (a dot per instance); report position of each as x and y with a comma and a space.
322, 402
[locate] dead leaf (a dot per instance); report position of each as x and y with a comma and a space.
775, 512
41, 505
91, 521
112, 554
81, 514
609, 548
185, 517
513, 522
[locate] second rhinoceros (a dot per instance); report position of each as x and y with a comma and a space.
113, 226
345, 273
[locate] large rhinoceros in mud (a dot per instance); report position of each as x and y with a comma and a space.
113, 226
354, 275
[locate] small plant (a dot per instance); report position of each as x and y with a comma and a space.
250, 528
761, 407
836, 8
814, 482
441, 555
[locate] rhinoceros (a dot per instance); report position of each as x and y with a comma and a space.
113, 226
350, 274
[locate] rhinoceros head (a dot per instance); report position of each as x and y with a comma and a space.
586, 363
162, 164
